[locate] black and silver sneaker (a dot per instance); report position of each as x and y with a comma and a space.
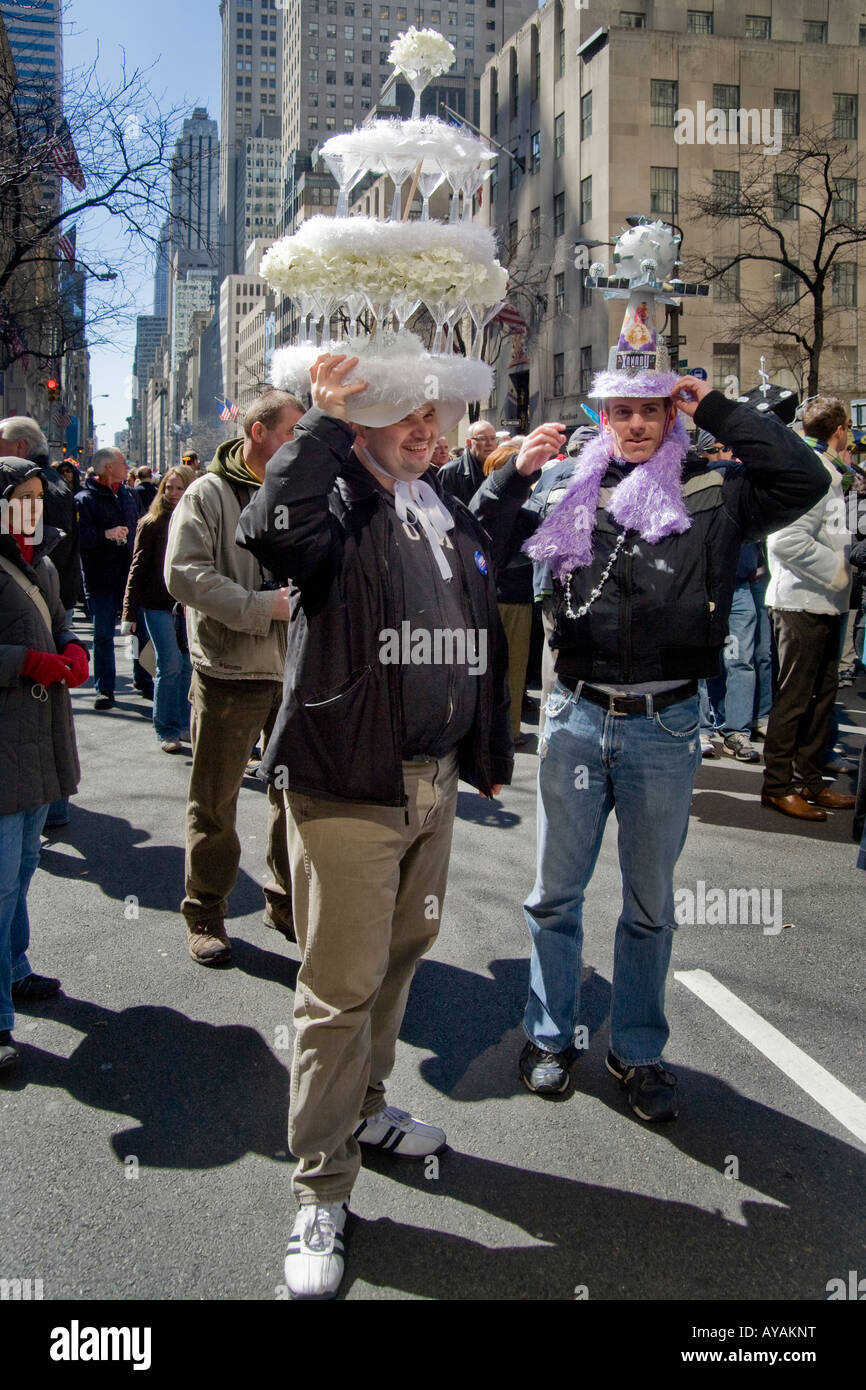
546, 1073
651, 1090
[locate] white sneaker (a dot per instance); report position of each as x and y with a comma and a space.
396, 1132
708, 748
315, 1255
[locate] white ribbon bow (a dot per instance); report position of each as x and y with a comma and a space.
423, 502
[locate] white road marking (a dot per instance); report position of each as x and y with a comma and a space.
814, 1079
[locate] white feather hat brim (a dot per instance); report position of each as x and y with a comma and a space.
400, 374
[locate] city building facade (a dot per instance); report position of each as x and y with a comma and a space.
590, 103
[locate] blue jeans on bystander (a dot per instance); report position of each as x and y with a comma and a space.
173, 675
19, 855
591, 762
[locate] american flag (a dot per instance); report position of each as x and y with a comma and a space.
65, 159
61, 418
229, 411
66, 245
511, 319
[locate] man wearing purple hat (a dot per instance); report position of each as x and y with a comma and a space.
643, 554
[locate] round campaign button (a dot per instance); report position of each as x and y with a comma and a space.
480, 561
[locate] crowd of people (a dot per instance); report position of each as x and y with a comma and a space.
693, 594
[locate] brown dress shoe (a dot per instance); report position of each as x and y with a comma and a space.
208, 942
834, 801
793, 805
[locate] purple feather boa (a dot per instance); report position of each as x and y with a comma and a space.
648, 501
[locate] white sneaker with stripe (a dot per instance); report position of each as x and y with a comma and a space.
395, 1131
315, 1256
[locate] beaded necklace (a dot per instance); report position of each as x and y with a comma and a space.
584, 609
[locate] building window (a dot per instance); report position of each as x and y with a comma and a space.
726, 97
513, 170
559, 214
586, 199
845, 115
632, 19
663, 102
843, 209
494, 104
515, 82
786, 197
559, 136
845, 285
726, 364
815, 31
585, 292
585, 370
559, 374
786, 285
664, 198
560, 41
586, 116
535, 229
348, 31
348, 55
559, 293
726, 192
513, 233
699, 21
535, 157
862, 35
726, 289
788, 102
758, 26
331, 55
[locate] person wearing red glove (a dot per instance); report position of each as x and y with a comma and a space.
37, 715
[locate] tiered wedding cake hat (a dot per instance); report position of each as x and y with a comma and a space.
391, 268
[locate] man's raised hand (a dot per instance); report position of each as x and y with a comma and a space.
328, 387
688, 393
545, 442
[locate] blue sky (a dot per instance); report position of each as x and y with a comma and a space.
179, 40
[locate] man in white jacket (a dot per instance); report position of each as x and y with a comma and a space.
810, 580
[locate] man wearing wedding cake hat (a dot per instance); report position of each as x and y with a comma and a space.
395, 686
643, 553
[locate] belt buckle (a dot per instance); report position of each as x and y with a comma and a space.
617, 713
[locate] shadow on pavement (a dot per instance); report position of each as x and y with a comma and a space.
624, 1245
203, 1095
481, 1021
482, 811
118, 859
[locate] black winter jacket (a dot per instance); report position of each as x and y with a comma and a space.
462, 478
105, 563
317, 522
663, 613
61, 511
38, 756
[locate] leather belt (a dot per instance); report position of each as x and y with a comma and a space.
629, 704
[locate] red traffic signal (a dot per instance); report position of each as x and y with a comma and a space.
53, 388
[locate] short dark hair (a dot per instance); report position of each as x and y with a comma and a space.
823, 415
268, 409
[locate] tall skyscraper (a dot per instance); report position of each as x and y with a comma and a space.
36, 41
160, 274
251, 104
194, 222
335, 55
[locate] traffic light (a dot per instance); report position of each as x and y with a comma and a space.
52, 388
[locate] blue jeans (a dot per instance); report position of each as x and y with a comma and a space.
104, 609
173, 675
590, 762
748, 688
19, 855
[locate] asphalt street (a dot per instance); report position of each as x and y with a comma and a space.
144, 1134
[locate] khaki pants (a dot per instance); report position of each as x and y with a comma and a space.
517, 622
227, 720
368, 894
